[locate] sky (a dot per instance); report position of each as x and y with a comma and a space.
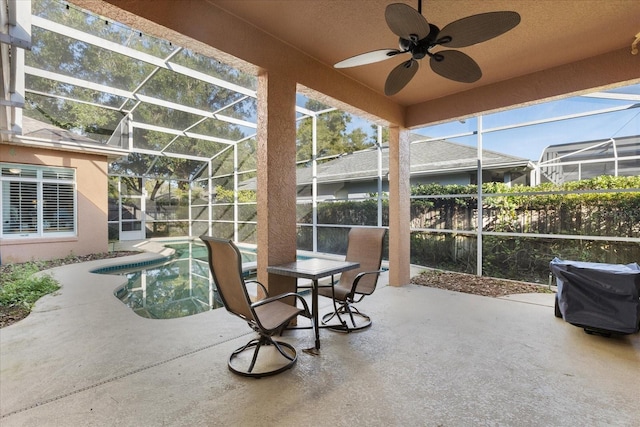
530, 141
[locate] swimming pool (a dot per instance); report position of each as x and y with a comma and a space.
178, 287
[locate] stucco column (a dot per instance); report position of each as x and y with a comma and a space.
276, 179
399, 206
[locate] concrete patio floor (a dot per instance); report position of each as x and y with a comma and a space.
431, 358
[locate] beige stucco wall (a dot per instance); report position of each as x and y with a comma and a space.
92, 187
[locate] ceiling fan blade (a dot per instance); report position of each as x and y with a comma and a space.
455, 65
478, 28
400, 76
368, 58
406, 22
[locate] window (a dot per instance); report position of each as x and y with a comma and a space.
37, 201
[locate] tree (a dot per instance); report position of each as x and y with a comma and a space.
332, 136
358, 139
374, 135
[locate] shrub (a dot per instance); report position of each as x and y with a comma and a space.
22, 287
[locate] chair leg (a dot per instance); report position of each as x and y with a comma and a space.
255, 355
336, 313
347, 309
259, 367
278, 345
354, 311
251, 343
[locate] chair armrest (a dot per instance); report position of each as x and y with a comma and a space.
259, 284
306, 313
361, 275
364, 273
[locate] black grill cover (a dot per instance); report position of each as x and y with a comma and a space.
599, 296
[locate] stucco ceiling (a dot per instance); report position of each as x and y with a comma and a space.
551, 33
559, 47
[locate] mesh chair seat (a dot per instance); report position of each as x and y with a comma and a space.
271, 315
340, 292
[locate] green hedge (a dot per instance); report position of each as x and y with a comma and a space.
592, 212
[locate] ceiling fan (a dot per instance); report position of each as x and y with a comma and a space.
418, 37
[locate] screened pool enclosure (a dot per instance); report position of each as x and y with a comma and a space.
188, 124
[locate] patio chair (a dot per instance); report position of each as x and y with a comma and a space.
268, 316
365, 247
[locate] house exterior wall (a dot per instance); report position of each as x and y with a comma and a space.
358, 189
363, 188
91, 185
448, 179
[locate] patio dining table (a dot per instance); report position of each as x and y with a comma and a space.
313, 269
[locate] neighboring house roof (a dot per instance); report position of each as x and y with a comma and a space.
37, 129
427, 158
37, 133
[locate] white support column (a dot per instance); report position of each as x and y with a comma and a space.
209, 198
15, 37
190, 195
615, 157
130, 132
480, 225
379, 149
235, 192
314, 182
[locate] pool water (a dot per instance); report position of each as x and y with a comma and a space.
178, 287
175, 288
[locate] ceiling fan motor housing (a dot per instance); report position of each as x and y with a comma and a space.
418, 50
421, 50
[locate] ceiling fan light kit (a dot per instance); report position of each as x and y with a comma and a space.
418, 37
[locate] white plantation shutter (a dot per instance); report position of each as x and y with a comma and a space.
58, 207
20, 204
37, 201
